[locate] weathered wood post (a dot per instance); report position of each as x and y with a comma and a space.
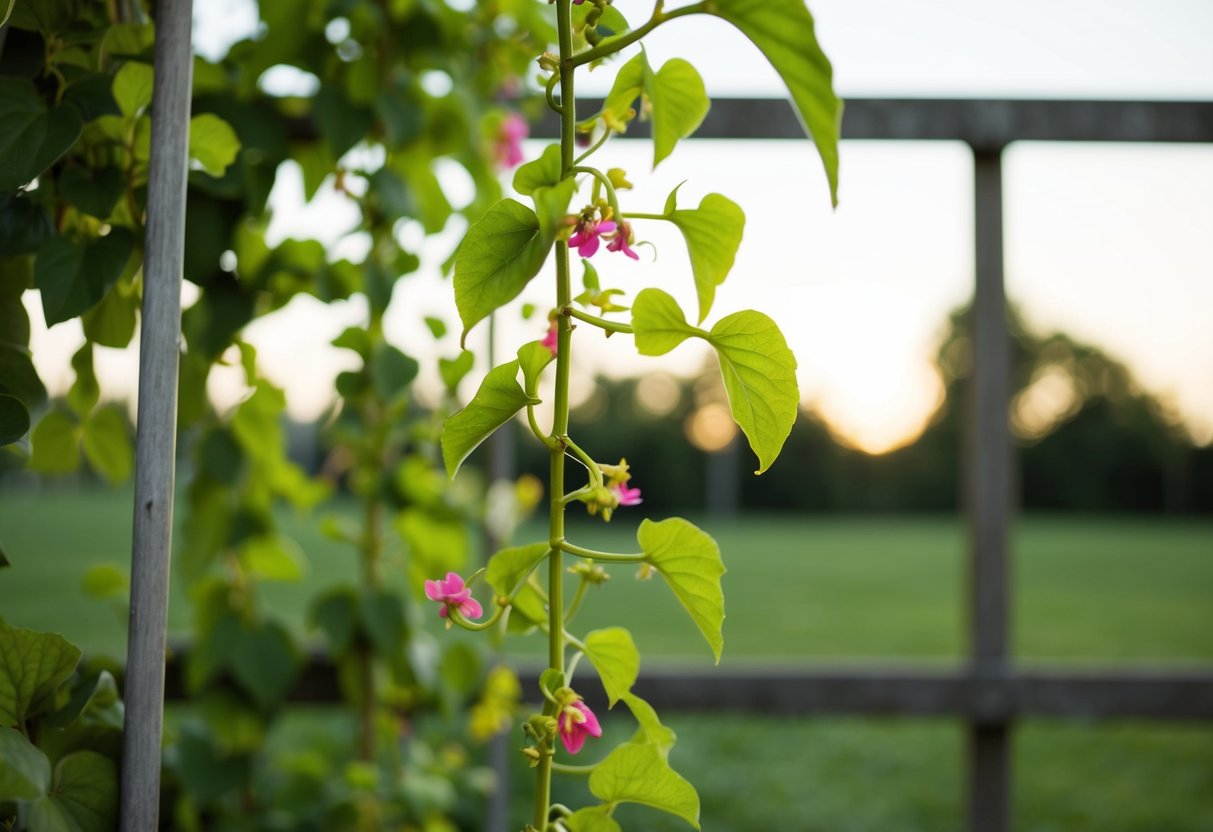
156, 443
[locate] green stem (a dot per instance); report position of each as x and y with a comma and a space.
601, 323
550, 92
623, 42
456, 617
635, 216
586, 460
606, 134
605, 557
548, 442
560, 420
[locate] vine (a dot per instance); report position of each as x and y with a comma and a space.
499, 256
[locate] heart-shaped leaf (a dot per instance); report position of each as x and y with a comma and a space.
713, 234
498, 257
213, 143
83, 796
32, 138
760, 378
509, 567
614, 656
26, 773
14, 419
635, 773
494, 404
73, 277
658, 323
680, 104
783, 30
689, 560
107, 444
544, 172
32, 667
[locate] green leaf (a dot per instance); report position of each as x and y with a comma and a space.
504, 250
55, 444
617, 109
509, 567
552, 680
713, 234
494, 404
634, 773
273, 557
213, 143
107, 444
689, 560
760, 377
92, 191
83, 796
104, 580
336, 613
342, 123
614, 656
452, 370
651, 731
783, 31
679, 105
32, 138
84, 393
111, 323
133, 88
14, 419
594, 819
436, 326
391, 372
544, 172
382, 616
26, 773
265, 661
73, 277
19, 378
658, 323
532, 358
32, 667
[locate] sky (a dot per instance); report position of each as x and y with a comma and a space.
1112, 243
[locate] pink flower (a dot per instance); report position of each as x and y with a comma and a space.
576, 723
549, 340
509, 140
586, 239
578, 2
452, 592
626, 496
620, 241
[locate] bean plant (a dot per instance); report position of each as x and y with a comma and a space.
579, 205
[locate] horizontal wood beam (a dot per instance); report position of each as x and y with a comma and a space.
1108, 693
984, 124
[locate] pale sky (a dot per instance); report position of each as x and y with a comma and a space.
1112, 243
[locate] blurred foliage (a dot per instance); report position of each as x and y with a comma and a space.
76, 81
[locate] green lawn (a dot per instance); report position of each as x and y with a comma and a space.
817, 589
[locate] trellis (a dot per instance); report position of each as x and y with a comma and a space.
988, 692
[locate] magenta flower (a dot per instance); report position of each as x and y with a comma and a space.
586, 239
620, 241
452, 592
509, 140
549, 340
576, 723
626, 496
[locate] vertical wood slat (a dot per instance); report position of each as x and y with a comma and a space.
989, 499
155, 460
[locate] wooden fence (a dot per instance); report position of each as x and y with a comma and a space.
988, 691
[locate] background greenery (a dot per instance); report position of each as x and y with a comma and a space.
1086, 588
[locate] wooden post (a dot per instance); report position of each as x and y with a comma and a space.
156, 443
989, 503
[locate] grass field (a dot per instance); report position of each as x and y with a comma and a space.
1085, 590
